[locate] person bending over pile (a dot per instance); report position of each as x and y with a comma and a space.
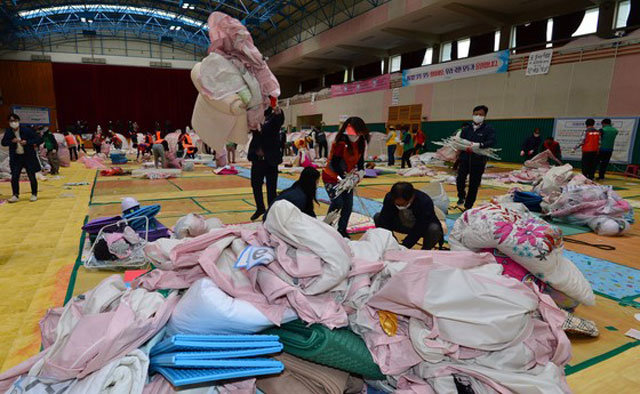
409, 211
302, 193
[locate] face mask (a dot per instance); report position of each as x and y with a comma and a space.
477, 119
402, 208
14, 125
353, 138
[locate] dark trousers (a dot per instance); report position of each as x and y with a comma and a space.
344, 203
430, 238
261, 170
604, 157
73, 151
472, 166
97, 147
405, 157
589, 164
391, 152
17, 165
323, 149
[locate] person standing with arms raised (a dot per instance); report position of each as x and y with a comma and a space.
471, 164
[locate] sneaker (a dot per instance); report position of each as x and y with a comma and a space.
256, 215
33, 198
13, 199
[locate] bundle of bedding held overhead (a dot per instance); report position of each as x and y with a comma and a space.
460, 144
528, 240
427, 318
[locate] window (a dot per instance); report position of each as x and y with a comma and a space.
446, 52
463, 47
549, 32
622, 14
428, 57
589, 24
346, 76
395, 64
512, 43
496, 41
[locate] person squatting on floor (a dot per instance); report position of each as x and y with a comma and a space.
51, 146
409, 211
608, 135
22, 142
302, 193
265, 155
590, 143
346, 155
471, 164
531, 145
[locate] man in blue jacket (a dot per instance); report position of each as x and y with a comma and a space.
265, 155
409, 211
22, 142
472, 164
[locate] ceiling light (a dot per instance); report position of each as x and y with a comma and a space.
172, 28
185, 5
192, 8
179, 27
83, 20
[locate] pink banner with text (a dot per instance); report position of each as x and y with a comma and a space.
377, 83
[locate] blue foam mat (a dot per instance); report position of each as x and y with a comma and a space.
182, 377
216, 355
203, 363
178, 343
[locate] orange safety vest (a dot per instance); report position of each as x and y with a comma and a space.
158, 139
71, 141
187, 142
351, 160
591, 141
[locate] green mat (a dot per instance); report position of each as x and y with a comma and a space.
339, 348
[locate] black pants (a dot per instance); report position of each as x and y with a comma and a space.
323, 149
17, 165
73, 151
472, 166
342, 203
97, 147
391, 153
430, 238
405, 157
589, 164
261, 170
604, 157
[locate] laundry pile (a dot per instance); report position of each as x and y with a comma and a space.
531, 171
234, 84
455, 144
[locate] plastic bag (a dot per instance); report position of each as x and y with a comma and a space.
438, 195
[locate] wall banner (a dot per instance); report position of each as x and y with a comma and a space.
497, 62
32, 115
377, 83
567, 131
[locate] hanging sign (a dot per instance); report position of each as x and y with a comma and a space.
539, 62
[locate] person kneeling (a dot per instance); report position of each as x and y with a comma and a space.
409, 211
302, 193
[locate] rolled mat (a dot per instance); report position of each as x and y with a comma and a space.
340, 348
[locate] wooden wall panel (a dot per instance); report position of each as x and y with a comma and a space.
26, 83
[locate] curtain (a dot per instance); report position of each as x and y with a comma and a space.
482, 44
102, 93
311, 85
454, 50
564, 26
335, 78
367, 71
412, 59
531, 37
634, 14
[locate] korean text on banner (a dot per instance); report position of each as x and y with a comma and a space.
377, 83
32, 115
567, 131
497, 62
539, 62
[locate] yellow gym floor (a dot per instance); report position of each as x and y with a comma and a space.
41, 250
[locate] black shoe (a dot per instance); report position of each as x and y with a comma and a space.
460, 202
256, 215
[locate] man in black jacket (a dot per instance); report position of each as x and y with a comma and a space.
22, 142
409, 211
531, 145
265, 155
472, 164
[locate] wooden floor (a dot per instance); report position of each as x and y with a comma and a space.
34, 279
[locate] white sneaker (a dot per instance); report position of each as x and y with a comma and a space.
33, 198
13, 199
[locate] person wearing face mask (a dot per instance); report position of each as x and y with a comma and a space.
409, 211
531, 145
22, 155
97, 139
346, 154
265, 156
471, 164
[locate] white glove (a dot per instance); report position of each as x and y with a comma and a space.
361, 174
475, 146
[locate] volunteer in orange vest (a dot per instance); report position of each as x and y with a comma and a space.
186, 144
72, 144
158, 150
346, 155
590, 146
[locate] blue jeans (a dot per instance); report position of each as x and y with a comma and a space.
391, 151
344, 203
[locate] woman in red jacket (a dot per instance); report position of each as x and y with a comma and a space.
346, 155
